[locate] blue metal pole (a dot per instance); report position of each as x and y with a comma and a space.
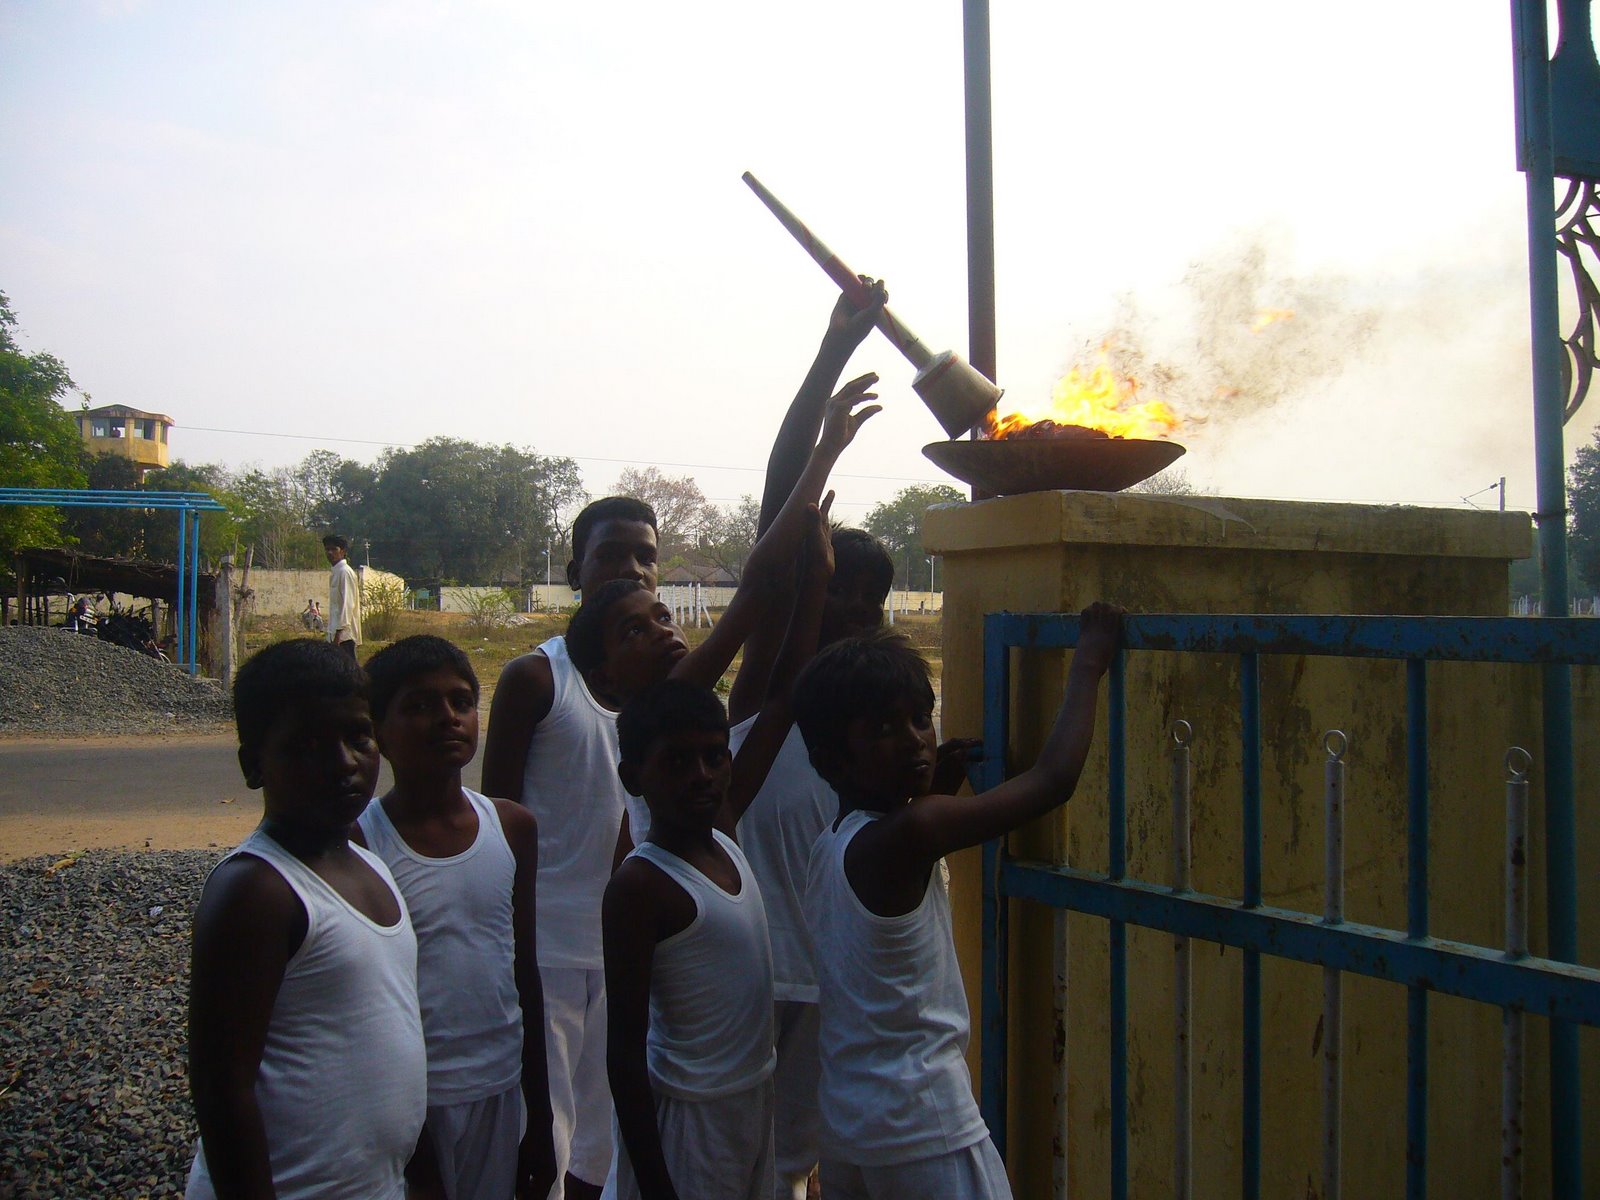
179, 612
1117, 835
1250, 737
1417, 925
1530, 35
194, 595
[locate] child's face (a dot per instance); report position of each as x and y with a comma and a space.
852, 607
889, 755
431, 724
684, 778
642, 643
616, 549
317, 764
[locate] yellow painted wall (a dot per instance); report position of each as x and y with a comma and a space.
1056, 551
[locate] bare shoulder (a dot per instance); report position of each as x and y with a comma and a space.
518, 824
526, 686
646, 902
244, 898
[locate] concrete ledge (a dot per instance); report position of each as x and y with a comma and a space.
1135, 519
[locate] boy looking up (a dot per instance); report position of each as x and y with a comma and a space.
466, 866
553, 748
306, 1059
898, 1116
688, 964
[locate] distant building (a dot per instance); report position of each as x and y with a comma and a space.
128, 433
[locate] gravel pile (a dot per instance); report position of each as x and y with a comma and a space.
94, 971
52, 681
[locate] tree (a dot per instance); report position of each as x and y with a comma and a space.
39, 442
728, 532
681, 507
897, 523
1583, 501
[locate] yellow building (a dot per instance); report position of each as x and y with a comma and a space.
127, 432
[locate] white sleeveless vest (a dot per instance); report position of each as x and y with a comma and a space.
894, 1019
343, 1083
711, 987
570, 785
466, 980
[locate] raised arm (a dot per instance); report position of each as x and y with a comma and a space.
522, 699
766, 736
848, 327
249, 924
933, 826
769, 567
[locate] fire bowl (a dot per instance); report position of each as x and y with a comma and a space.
1010, 466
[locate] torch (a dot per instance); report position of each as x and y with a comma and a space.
954, 391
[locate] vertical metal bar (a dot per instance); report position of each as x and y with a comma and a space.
1117, 807
996, 931
980, 188
1417, 925
1250, 737
1518, 761
1335, 743
1183, 1041
1059, 1142
180, 610
1530, 38
194, 594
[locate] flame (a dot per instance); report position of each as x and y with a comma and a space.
1097, 398
1270, 316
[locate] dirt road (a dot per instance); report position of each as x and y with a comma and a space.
176, 792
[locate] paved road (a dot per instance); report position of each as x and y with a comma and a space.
113, 776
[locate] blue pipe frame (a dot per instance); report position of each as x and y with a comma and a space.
188, 505
1556, 988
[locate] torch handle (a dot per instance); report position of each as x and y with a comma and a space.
847, 280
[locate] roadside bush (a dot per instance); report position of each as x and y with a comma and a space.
488, 610
382, 602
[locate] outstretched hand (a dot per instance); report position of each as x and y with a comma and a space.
1099, 635
817, 554
841, 422
849, 323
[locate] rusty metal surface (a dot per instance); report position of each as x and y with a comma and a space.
1009, 467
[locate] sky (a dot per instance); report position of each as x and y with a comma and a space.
300, 225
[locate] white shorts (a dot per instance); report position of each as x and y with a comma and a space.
476, 1143
715, 1149
796, 1119
975, 1173
580, 1094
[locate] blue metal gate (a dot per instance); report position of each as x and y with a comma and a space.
1567, 994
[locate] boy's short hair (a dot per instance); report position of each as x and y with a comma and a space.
586, 645
608, 508
287, 674
663, 709
856, 677
391, 668
336, 541
857, 552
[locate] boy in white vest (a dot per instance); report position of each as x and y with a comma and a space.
688, 960
306, 1058
899, 1121
466, 866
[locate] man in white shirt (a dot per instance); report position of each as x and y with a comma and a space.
344, 596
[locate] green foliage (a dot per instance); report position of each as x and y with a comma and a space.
383, 599
487, 610
1583, 500
897, 523
728, 533
39, 442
